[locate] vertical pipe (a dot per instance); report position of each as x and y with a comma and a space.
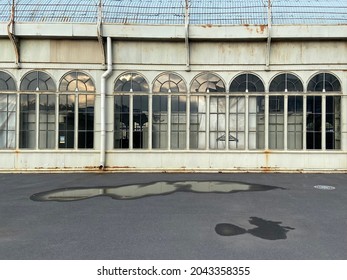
104, 77
269, 26
186, 26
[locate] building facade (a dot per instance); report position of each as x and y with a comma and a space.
173, 85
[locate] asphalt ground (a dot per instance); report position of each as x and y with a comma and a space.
271, 216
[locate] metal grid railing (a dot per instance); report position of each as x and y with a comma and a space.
309, 12
144, 12
223, 12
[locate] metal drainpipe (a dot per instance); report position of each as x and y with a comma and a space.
104, 77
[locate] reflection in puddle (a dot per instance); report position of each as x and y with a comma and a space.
264, 229
151, 189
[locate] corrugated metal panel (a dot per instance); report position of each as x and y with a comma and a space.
234, 12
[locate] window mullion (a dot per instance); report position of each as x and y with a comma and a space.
207, 122
76, 128
227, 115
150, 120
17, 121
323, 122
246, 121
285, 132
304, 143
187, 122
266, 122
169, 122
37, 125
131, 121
56, 145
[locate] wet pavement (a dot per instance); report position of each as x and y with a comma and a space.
173, 216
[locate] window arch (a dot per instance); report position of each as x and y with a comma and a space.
286, 82
207, 82
7, 83
76, 81
37, 81
169, 82
247, 83
131, 82
324, 82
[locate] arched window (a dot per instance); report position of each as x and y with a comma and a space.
169, 82
76, 81
131, 91
162, 128
323, 116
7, 83
76, 88
324, 82
207, 82
247, 83
7, 112
286, 83
131, 82
37, 81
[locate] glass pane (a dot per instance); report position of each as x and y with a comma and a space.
295, 122
6, 82
208, 82
66, 121
314, 122
256, 121
140, 118
197, 122
333, 122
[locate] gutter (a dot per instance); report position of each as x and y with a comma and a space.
104, 77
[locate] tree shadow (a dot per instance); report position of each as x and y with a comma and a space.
264, 229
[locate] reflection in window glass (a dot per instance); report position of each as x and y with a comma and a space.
27, 121
121, 122
169, 82
197, 122
7, 121
217, 123
237, 123
247, 83
140, 119
333, 122
47, 122
256, 122
178, 122
86, 121
207, 82
314, 122
76, 81
276, 122
295, 122
324, 82
66, 121
6, 82
160, 122
286, 83
131, 82
37, 81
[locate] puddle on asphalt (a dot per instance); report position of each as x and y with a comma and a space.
264, 229
152, 189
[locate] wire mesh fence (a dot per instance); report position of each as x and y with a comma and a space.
218, 12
